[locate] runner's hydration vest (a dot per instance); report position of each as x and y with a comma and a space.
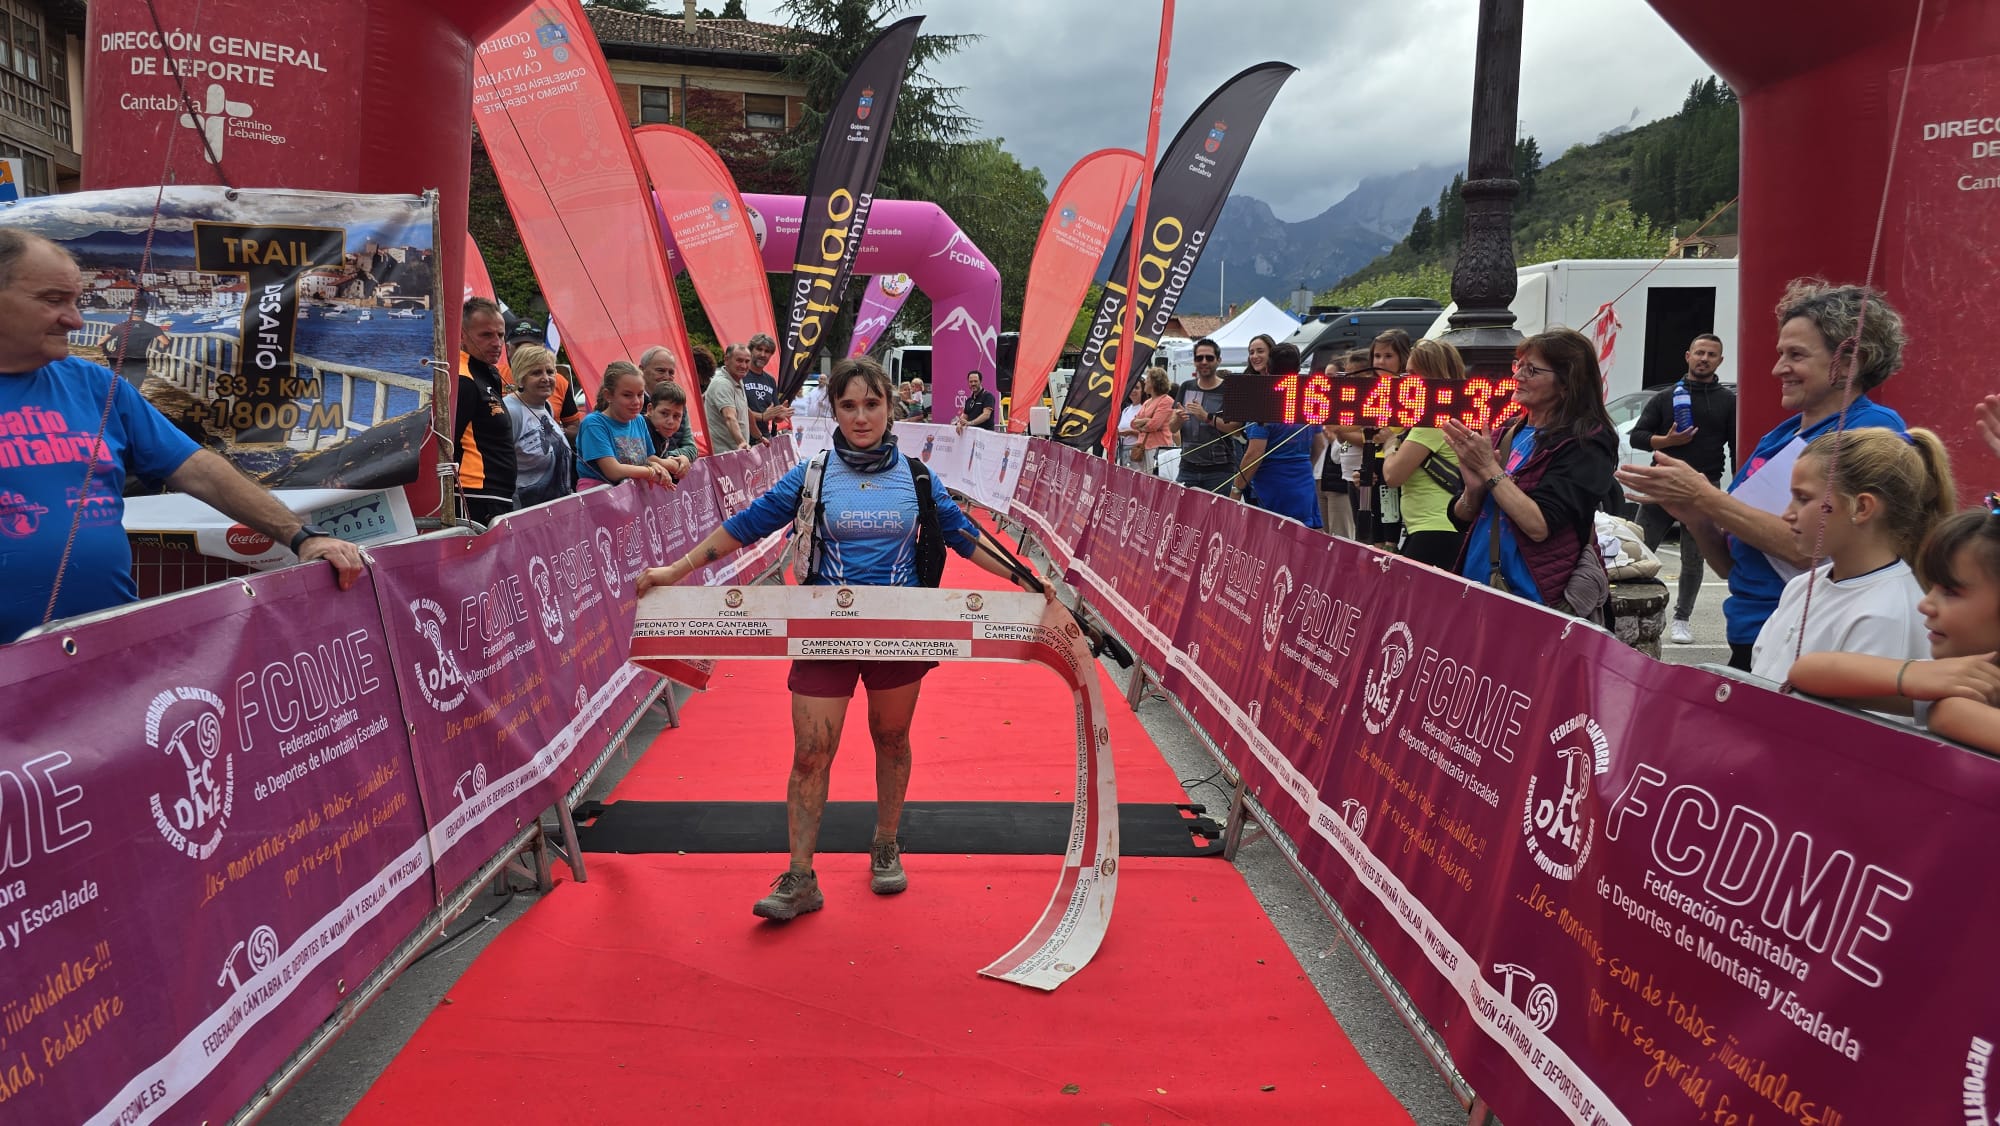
810, 527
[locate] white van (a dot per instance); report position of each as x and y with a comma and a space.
1661, 307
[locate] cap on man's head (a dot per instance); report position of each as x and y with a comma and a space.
524, 330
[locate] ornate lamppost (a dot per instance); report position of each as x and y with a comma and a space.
1483, 282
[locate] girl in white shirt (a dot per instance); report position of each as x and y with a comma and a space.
1863, 500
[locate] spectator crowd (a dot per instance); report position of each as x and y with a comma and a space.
1851, 574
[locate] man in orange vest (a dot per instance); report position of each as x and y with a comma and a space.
482, 435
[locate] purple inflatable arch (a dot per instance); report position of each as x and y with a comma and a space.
906, 237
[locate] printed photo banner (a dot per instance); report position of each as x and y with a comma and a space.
208, 841
900, 624
1598, 875
287, 331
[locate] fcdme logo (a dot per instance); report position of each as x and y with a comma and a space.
548, 607
1555, 825
1165, 542
654, 540
1211, 567
1380, 695
440, 680
607, 559
1274, 610
186, 723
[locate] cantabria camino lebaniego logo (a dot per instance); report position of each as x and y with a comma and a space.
1380, 693
1558, 821
186, 724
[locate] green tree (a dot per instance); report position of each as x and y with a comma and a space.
1685, 170
1527, 166
1422, 230
1432, 279
754, 157
733, 10
1000, 206
830, 36
924, 142
1451, 213
1080, 331
1615, 231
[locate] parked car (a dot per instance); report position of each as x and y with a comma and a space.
1624, 411
1329, 334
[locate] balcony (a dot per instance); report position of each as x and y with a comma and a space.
31, 104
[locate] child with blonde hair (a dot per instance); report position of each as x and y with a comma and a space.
1863, 500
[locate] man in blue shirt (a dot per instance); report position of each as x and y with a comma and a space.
59, 474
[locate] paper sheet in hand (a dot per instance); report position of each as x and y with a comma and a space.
1769, 489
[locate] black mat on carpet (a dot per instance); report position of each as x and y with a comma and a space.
977, 828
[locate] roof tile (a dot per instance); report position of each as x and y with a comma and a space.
614, 27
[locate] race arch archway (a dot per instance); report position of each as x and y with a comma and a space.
919, 239
1819, 132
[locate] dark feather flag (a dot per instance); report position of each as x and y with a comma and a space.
1189, 188
843, 190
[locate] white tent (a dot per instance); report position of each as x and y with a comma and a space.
1263, 318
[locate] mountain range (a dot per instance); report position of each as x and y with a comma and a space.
1256, 254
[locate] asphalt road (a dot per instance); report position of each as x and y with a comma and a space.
1711, 646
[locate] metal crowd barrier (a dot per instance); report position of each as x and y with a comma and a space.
1247, 820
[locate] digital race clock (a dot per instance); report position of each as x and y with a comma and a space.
1478, 403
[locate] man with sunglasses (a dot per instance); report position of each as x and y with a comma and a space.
1208, 441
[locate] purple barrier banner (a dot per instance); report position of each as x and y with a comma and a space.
208, 824
213, 825
514, 673
509, 648
740, 476
1599, 876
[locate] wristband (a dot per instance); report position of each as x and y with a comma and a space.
1899, 675
1493, 482
306, 532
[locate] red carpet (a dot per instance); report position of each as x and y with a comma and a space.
651, 994
985, 732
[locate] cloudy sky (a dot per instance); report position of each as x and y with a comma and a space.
1383, 85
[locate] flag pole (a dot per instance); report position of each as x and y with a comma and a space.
1129, 329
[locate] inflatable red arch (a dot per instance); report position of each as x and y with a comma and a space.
1821, 82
